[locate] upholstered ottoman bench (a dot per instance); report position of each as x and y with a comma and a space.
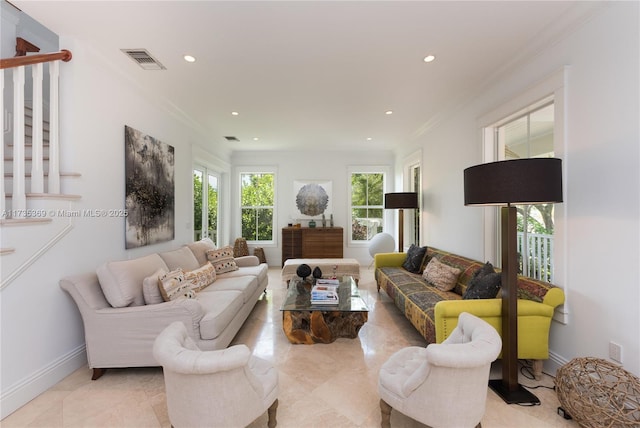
342, 267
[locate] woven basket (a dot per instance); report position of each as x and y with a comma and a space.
259, 253
598, 394
240, 248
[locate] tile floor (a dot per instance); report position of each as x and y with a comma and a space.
332, 385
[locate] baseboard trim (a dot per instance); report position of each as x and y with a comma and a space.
30, 387
554, 362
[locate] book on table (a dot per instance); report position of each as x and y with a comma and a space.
328, 281
324, 294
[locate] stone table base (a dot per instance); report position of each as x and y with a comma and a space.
309, 327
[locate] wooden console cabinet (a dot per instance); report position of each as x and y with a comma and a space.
312, 243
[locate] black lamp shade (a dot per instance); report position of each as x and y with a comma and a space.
401, 200
519, 181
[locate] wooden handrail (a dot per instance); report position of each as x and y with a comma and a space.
63, 55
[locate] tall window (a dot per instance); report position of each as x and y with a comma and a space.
530, 135
205, 204
257, 206
415, 186
367, 205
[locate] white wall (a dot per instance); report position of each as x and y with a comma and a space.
321, 165
603, 183
41, 330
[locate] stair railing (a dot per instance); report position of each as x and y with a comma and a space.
18, 64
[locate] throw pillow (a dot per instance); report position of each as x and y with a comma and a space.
414, 258
484, 284
201, 278
442, 276
150, 288
200, 248
181, 258
173, 286
222, 259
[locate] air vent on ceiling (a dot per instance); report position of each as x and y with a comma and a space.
144, 59
231, 138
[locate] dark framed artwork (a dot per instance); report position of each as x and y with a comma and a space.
150, 190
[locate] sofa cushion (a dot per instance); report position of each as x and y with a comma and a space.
180, 258
121, 281
200, 248
151, 289
222, 259
442, 276
201, 278
484, 284
259, 271
174, 286
220, 308
414, 297
247, 285
415, 255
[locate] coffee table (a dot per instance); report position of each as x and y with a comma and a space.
305, 323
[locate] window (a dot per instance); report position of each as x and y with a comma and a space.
257, 206
530, 134
205, 204
414, 186
367, 205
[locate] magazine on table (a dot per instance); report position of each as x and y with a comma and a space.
328, 281
324, 294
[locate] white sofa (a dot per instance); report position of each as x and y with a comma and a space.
122, 317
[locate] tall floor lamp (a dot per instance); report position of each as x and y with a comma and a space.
402, 201
520, 181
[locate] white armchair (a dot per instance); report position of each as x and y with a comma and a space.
442, 385
225, 388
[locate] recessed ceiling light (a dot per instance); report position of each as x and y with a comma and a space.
234, 113
388, 112
255, 138
429, 58
369, 138
189, 58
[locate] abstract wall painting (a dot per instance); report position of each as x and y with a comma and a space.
149, 193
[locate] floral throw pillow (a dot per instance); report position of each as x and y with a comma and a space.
442, 276
415, 255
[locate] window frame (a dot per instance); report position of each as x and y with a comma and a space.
206, 173
385, 189
553, 87
258, 170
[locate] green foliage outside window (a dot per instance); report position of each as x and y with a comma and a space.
257, 205
367, 194
212, 207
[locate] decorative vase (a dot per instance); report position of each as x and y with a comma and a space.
331, 219
312, 223
324, 221
303, 271
317, 273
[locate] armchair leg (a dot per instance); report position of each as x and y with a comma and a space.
271, 411
537, 369
385, 411
97, 373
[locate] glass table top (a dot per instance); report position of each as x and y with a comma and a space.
299, 297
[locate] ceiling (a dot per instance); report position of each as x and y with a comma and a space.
307, 74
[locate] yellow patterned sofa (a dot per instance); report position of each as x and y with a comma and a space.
434, 313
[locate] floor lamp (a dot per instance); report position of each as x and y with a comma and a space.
401, 201
518, 182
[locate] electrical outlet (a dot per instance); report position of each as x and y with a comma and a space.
615, 352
